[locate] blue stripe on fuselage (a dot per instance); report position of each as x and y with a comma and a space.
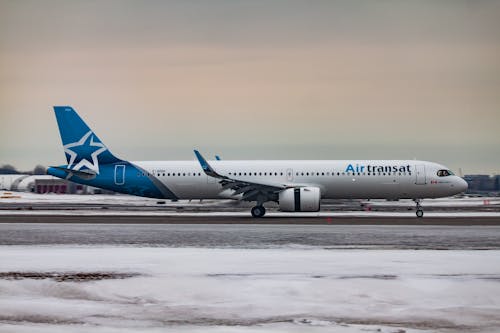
136, 181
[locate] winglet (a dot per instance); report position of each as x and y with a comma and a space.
205, 166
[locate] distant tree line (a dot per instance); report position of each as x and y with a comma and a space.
8, 169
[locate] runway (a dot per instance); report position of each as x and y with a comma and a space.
251, 236
245, 218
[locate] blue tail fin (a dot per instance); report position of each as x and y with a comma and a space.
83, 149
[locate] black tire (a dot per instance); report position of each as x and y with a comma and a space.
258, 211
420, 213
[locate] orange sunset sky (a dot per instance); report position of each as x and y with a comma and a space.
255, 79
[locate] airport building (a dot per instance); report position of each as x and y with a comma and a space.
40, 184
45, 184
480, 184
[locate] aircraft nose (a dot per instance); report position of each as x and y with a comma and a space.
462, 185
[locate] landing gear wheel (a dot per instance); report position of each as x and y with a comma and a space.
419, 212
258, 211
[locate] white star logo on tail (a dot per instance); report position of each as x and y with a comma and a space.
82, 143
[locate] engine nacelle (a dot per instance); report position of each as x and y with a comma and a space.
301, 199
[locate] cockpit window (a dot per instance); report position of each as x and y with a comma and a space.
444, 173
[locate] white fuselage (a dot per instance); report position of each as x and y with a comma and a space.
363, 179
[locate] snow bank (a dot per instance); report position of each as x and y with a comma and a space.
251, 290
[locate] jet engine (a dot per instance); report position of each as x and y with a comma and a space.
300, 199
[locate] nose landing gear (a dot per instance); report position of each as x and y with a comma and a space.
420, 211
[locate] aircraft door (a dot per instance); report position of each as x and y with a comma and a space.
119, 174
289, 175
420, 175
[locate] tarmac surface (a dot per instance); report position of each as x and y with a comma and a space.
238, 219
253, 236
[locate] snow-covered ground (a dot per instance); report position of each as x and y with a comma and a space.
102, 199
440, 202
129, 200
251, 290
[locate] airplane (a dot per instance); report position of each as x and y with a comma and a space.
297, 185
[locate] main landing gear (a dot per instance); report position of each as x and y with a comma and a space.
258, 211
420, 211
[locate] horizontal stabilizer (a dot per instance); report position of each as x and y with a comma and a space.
83, 174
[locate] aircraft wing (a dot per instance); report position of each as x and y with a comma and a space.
249, 190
